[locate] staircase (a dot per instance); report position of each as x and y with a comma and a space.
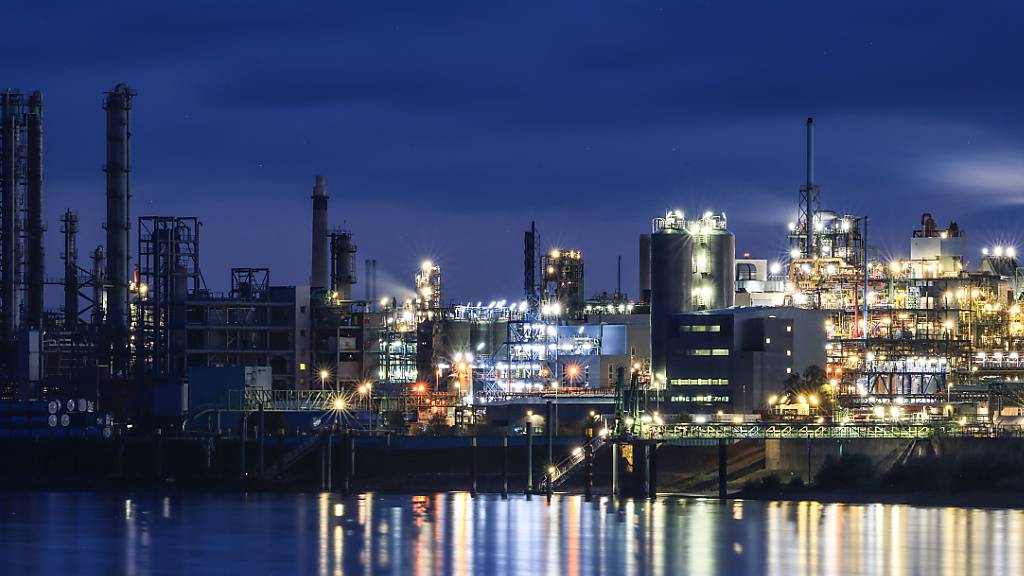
301, 451
563, 470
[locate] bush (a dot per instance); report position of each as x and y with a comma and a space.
850, 471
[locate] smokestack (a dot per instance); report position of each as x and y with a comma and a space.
10, 223
118, 105
618, 278
70, 232
810, 188
645, 268
530, 264
34, 261
318, 279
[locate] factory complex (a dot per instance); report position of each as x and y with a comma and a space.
831, 332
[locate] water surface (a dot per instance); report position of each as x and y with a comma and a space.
452, 533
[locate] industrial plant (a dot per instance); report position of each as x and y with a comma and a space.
833, 332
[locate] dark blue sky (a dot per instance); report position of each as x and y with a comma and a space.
445, 127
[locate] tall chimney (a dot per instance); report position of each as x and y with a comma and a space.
118, 105
318, 278
34, 260
645, 268
70, 232
810, 188
10, 223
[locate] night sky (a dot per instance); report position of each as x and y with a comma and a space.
443, 128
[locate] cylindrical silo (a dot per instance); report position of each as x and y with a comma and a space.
671, 276
714, 280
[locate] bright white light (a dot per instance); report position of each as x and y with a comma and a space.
794, 253
775, 268
792, 226
426, 265
1011, 252
998, 251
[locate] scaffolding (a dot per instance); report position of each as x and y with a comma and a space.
168, 272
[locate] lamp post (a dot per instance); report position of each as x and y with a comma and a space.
324, 374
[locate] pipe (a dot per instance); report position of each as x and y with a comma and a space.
645, 268
70, 231
864, 239
35, 261
99, 306
318, 277
10, 224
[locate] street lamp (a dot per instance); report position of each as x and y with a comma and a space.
323, 378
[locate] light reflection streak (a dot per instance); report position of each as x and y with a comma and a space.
457, 534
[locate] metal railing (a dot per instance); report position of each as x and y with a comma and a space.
774, 430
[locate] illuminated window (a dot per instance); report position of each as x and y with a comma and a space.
302, 365
789, 370
767, 340
789, 328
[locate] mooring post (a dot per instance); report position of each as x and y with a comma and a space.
722, 468
504, 466
241, 444
472, 466
262, 438
351, 459
346, 462
549, 430
615, 469
529, 458
159, 453
588, 454
280, 451
808, 461
645, 455
330, 457
652, 469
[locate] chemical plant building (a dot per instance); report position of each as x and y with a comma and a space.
140, 332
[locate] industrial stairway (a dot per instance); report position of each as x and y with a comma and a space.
301, 451
560, 472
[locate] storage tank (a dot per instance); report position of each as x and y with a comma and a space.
714, 263
671, 277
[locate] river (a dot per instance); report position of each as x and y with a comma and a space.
452, 533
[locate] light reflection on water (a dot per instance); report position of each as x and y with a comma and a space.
452, 533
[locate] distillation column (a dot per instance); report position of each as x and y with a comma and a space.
10, 223
70, 231
34, 259
343, 273
118, 105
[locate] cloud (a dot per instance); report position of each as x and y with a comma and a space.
998, 178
